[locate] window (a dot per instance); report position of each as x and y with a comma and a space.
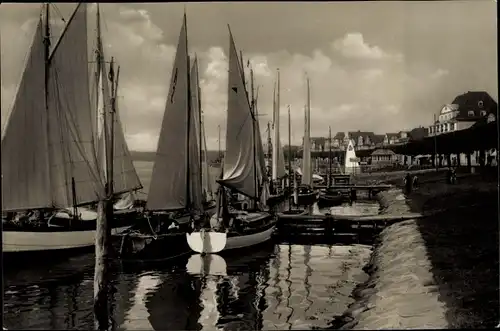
491, 118
470, 113
483, 112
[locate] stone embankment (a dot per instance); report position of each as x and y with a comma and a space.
400, 292
435, 272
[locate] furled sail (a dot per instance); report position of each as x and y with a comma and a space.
125, 178
169, 189
25, 173
239, 166
200, 129
278, 158
207, 180
306, 158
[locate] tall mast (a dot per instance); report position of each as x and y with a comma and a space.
329, 156
254, 115
46, 41
198, 91
108, 131
111, 137
276, 125
218, 140
308, 134
289, 155
189, 102
269, 141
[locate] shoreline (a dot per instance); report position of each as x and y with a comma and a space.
424, 273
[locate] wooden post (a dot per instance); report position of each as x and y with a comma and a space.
101, 286
328, 225
353, 195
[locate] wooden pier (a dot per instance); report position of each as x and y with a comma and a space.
328, 225
352, 189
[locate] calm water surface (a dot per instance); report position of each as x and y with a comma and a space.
276, 286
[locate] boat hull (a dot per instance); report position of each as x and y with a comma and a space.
326, 200
153, 240
17, 242
215, 242
307, 199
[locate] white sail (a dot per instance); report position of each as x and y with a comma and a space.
306, 158
71, 134
278, 158
239, 171
195, 171
350, 163
125, 178
52, 161
25, 173
169, 187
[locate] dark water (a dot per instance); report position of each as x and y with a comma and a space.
275, 286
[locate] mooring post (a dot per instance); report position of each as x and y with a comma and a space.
353, 195
328, 224
101, 286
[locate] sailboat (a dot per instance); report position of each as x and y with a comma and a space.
50, 171
305, 194
209, 201
125, 178
175, 198
329, 197
238, 223
278, 159
351, 162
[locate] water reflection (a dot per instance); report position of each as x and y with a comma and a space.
272, 287
137, 317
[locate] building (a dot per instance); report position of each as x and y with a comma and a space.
417, 134
391, 138
383, 157
463, 112
362, 139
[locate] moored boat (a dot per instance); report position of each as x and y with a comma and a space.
241, 218
330, 197
51, 174
176, 197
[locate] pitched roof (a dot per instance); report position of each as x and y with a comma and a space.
378, 138
392, 135
418, 133
382, 151
356, 134
319, 140
474, 101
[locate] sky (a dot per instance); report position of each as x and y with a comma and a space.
373, 66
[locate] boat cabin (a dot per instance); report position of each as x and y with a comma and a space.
341, 180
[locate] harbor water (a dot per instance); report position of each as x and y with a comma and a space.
275, 286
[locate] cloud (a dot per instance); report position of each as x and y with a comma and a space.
353, 45
360, 77
439, 73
